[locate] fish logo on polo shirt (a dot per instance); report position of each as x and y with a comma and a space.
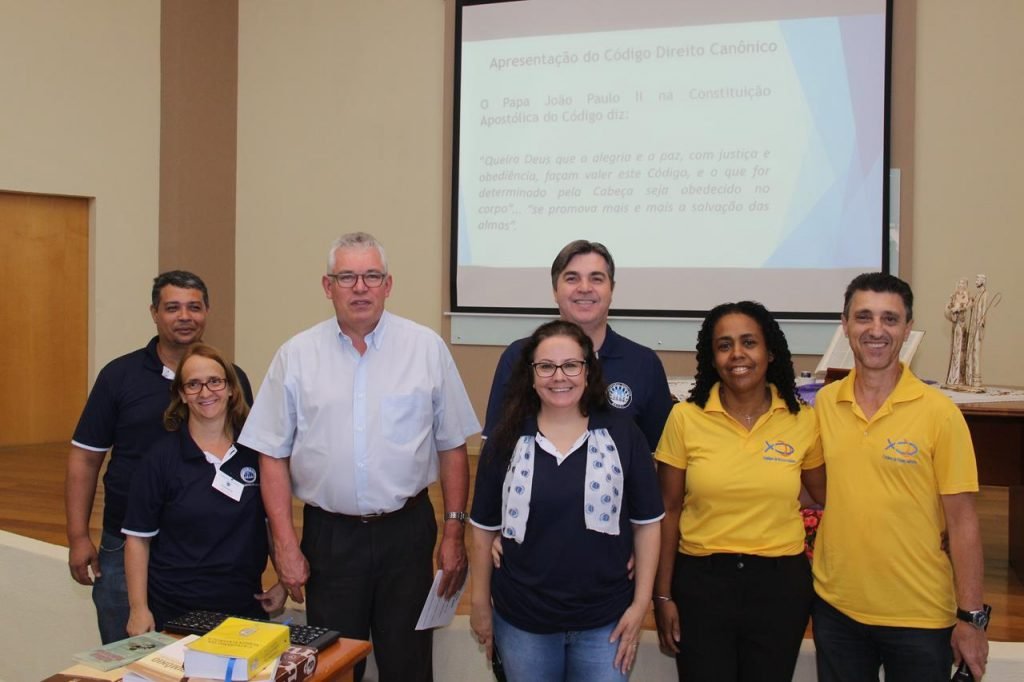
778, 451
901, 451
620, 395
248, 475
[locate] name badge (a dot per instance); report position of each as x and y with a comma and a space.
228, 486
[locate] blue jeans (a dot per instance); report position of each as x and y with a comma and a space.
109, 591
574, 656
850, 651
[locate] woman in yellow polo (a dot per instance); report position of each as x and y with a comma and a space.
733, 589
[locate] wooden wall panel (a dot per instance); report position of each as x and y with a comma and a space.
44, 260
198, 123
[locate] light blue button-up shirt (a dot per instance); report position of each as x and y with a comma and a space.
362, 431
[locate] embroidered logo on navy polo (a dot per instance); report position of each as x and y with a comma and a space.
778, 451
620, 395
248, 475
902, 451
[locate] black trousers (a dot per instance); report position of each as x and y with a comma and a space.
373, 578
742, 617
849, 651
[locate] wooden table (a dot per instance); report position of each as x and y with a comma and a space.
337, 662
997, 430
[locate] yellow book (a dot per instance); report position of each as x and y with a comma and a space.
243, 646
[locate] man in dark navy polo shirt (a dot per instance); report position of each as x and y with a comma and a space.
583, 278
124, 415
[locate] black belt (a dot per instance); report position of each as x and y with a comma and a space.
370, 518
738, 561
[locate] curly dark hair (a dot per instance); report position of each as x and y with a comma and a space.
780, 369
521, 399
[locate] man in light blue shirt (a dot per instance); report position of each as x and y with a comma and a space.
357, 416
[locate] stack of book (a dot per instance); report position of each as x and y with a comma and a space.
296, 664
191, 659
119, 654
107, 663
165, 665
237, 649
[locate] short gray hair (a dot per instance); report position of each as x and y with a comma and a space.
356, 240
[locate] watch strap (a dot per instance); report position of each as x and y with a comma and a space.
455, 516
978, 619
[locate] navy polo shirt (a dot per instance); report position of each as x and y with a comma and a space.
635, 376
209, 551
564, 576
124, 414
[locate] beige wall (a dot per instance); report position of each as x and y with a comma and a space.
80, 87
339, 129
199, 114
341, 117
970, 174
341, 124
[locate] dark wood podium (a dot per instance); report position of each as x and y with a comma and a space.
997, 430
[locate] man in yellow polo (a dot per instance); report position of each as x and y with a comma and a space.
901, 473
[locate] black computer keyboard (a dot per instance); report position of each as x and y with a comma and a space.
201, 622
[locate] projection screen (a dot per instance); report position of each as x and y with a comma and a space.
721, 150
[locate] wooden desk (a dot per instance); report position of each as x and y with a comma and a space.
997, 430
336, 662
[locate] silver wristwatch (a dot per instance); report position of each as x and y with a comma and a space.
978, 619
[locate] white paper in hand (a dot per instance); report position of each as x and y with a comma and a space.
437, 611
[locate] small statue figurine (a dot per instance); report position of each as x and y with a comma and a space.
957, 311
980, 307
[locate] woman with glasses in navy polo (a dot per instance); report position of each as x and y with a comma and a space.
733, 590
571, 487
196, 534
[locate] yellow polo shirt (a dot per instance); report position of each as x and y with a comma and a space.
878, 556
741, 486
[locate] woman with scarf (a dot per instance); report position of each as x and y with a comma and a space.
571, 487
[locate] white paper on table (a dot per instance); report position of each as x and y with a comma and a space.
437, 611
